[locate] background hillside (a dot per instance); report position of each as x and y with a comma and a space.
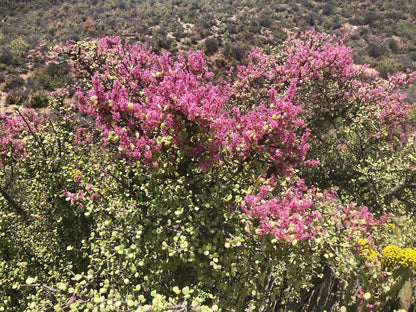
381, 33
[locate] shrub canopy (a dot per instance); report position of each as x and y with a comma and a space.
165, 187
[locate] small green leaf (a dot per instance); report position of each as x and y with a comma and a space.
31, 280
77, 277
367, 296
61, 286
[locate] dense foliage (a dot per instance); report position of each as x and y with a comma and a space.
286, 185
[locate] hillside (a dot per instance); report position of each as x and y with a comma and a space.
381, 33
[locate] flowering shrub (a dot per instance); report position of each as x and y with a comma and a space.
349, 112
164, 187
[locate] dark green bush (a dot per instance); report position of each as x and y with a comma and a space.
194, 39
232, 28
211, 46
412, 55
406, 62
265, 21
14, 98
7, 58
37, 99
375, 50
13, 82
328, 9
52, 77
393, 45
388, 66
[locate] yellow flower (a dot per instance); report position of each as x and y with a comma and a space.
393, 255
409, 258
76, 175
366, 250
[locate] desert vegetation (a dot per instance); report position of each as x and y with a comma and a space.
207, 156
381, 33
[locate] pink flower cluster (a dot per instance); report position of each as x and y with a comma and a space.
359, 219
12, 143
155, 108
317, 72
138, 97
288, 216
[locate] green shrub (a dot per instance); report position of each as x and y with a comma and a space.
18, 45
13, 82
37, 99
14, 98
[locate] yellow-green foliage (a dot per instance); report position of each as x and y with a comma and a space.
18, 44
366, 250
